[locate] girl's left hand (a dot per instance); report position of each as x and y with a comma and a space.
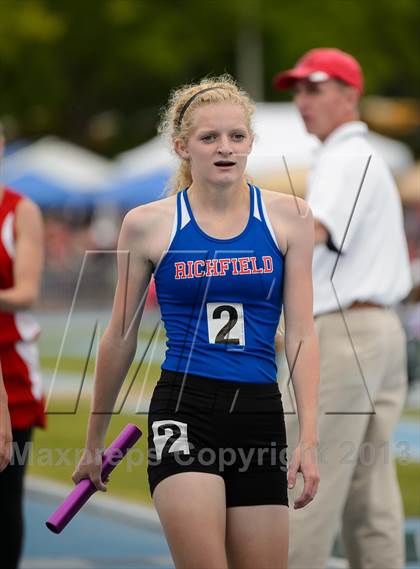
304, 460
6, 439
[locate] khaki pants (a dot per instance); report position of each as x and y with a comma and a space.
362, 393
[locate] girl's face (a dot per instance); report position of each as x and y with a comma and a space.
218, 144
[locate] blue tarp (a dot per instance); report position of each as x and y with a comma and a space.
51, 188
131, 192
50, 194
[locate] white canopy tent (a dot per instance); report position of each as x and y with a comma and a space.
56, 173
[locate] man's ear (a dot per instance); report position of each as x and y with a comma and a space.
353, 96
181, 149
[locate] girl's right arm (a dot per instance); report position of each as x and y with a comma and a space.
118, 343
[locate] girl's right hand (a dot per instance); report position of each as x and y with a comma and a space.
90, 467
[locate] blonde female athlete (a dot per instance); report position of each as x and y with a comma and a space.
226, 257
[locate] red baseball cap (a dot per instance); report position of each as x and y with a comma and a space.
321, 64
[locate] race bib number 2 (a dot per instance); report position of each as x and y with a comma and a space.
226, 323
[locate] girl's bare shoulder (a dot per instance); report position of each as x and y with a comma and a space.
289, 215
147, 228
153, 217
284, 205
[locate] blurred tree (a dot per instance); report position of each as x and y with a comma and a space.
381, 34
67, 65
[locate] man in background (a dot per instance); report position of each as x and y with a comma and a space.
360, 271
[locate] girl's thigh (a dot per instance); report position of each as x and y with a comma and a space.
192, 510
257, 536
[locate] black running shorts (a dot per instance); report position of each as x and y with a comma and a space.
229, 428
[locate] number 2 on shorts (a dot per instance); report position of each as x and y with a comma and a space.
226, 323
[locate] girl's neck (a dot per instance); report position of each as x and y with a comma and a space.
218, 198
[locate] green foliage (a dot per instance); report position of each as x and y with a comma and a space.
63, 62
381, 34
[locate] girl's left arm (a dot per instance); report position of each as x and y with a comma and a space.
301, 345
28, 260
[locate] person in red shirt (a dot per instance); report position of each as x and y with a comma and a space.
21, 397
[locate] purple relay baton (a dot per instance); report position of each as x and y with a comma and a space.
85, 488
